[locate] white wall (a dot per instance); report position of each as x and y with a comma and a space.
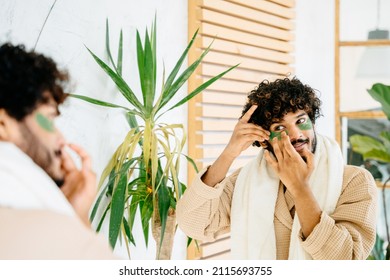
314, 55
73, 24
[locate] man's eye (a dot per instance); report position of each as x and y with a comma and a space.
279, 128
303, 120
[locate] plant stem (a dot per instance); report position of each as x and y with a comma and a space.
44, 23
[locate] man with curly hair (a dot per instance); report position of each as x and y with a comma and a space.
44, 197
296, 199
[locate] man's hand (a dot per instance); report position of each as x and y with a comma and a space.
292, 170
245, 134
79, 184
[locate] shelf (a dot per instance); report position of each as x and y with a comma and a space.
362, 114
380, 185
370, 43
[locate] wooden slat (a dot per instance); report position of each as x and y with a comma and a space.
286, 3
266, 6
224, 98
245, 38
193, 83
245, 50
238, 74
214, 139
224, 255
248, 13
214, 111
218, 125
247, 63
215, 247
225, 85
244, 25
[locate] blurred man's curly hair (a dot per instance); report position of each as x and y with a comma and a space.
276, 99
27, 80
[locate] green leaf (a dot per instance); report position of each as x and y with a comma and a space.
378, 155
192, 162
97, 203
174, 72
140, 60
120, 54
385, 137
171, 91
108, 44
381, 93
120, 83
128, 231
133, 210
103, 217
147, 71
146, 208
377, 252
117, 210
100, 103
362, 144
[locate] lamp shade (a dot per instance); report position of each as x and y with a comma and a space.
375, 61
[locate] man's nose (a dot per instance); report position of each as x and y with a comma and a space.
294, 133
60, 138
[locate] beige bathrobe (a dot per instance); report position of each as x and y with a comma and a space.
36, 220
348, 233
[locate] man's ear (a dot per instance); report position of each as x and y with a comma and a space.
5, 125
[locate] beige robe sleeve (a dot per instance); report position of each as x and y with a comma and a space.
203, 212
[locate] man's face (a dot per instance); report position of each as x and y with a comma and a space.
299, 128
38, 137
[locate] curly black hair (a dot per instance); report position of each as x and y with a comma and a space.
276, 99
27, 80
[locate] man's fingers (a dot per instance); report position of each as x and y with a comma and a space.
85, 159
277, 149
246, 117
309, 158
272, 161
67, 162
286, 144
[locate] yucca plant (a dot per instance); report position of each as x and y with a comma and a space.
373, 149
143, 173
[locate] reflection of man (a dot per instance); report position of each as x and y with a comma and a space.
296, 200
44, 198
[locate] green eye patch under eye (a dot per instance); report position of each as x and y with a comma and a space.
44, 122
277, 134
306, 125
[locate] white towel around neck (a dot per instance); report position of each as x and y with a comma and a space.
24, 185
254, 199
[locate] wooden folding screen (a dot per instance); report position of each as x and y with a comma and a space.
257, 34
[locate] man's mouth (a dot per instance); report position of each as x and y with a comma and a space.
57, 153
299, 144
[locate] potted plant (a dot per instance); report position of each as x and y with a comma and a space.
373, 149
143, 173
